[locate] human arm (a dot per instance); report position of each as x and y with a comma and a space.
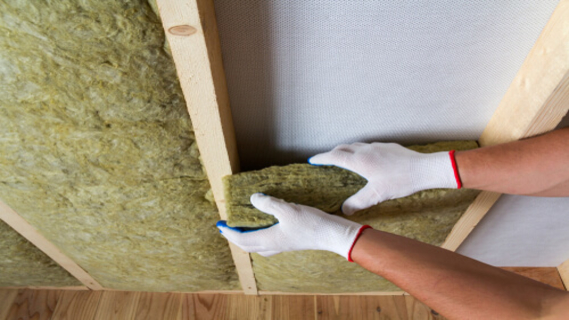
535, 166
454, 285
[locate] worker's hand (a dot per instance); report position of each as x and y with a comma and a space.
299, 228
392, 171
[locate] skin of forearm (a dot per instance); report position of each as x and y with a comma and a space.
456, 286
535, 166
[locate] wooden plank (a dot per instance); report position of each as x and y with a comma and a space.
293, 307
418, 310
563, 270
538, 98
34, 305
225, 307
77, 305
535, 103
248, 307
470, 219
158, 305
29, 232
115, 305
547, 275
364, 307
204, 306
7, 297
191, 30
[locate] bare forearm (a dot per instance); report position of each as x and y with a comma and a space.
456, 286
536, 166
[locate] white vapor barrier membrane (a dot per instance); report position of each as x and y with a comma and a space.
306, 75
522, 231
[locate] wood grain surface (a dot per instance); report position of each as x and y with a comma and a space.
27, 304
197, 56
75, 304
34, 304
117, 305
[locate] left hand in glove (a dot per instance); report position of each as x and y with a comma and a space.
299, 228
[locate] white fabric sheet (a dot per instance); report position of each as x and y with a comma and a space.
522, 231
306, 75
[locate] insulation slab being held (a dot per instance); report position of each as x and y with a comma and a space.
426, 216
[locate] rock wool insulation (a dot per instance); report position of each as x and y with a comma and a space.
22, 264
97, 147
427, 216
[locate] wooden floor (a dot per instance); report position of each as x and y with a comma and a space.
31, 304
87, 305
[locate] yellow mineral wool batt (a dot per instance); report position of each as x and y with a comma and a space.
98, 151
22, 264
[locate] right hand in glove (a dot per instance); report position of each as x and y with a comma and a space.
392, 171
299, 228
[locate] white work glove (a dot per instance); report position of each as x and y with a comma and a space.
392, 171
299, 228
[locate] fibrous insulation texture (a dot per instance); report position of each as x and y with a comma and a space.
426, 216
22, 264
97, 147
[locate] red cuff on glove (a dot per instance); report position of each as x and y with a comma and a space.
455, 168
356, 239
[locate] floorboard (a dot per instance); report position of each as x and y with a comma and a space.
117, 305
155, 305
74, 305
34, 304
6, 299
40, 304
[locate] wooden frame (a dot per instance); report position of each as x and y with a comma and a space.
563, 270
14, 220
535, 102
192, 33
191, 30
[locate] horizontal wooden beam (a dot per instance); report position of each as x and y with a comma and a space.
191, 30
14, 220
